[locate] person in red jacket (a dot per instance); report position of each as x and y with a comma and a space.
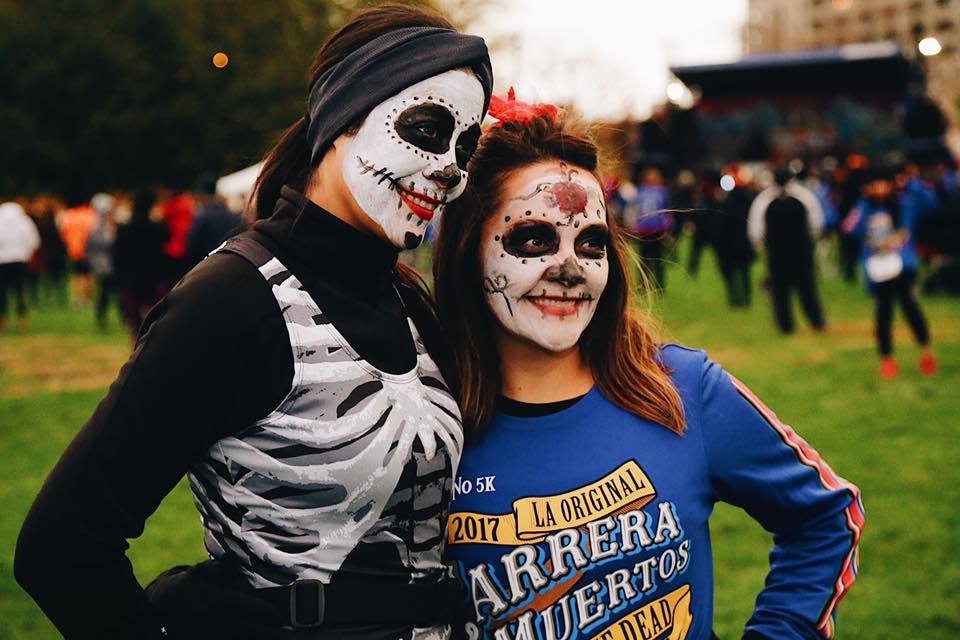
176, 211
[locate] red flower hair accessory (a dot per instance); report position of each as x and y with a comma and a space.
513, 110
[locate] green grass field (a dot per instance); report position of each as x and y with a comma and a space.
896, 439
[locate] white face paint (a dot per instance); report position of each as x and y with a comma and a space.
409, 157
544, 254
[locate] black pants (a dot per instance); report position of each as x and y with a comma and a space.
13, 277
736, 280
783, 280
849, 256
105, 292
700, 240
651, 255
884, 294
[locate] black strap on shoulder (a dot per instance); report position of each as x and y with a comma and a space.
246, 246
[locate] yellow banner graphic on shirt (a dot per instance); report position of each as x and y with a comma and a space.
666, 618
626, 487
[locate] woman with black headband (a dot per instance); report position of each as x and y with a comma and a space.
290, 374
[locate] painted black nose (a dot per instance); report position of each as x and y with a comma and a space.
448, 177
569, 273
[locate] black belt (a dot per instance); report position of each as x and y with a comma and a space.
363, 600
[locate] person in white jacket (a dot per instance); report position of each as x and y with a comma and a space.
18, 240
786, 219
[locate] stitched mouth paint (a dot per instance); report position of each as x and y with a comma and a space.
409, 158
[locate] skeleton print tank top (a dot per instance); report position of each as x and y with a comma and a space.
352, 472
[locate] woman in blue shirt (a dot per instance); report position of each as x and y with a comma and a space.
595, 455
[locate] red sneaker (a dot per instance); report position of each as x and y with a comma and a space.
888, 368
928, 364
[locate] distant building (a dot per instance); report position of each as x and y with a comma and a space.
778, 25
805, 103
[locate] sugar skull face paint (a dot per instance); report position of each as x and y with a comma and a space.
544, 254
409, 157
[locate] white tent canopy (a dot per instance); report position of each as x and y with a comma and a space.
236, 187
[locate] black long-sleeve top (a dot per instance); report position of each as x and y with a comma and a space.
212, 358
137, 252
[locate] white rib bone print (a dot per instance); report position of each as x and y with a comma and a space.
352, 456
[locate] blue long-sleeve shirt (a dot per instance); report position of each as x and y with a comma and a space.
645, 213
871, 223
592, 522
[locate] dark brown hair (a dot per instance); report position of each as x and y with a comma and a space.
618, 343
288, 161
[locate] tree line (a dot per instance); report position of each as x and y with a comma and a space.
123, 94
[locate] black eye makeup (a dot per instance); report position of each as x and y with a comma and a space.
426, 126
466, 145
531, 239
592, 241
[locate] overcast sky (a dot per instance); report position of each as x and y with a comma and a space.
608, 57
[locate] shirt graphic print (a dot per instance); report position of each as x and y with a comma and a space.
592, 523
604, 545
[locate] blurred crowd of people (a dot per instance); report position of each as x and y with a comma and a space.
122, 250
880, 222
884, 223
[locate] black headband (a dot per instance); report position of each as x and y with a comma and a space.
383, 68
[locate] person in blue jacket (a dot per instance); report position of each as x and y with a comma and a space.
595, 454
884, 221
650, 222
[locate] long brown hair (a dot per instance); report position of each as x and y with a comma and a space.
287, 163
618, 344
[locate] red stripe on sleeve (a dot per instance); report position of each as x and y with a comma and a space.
830, 480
